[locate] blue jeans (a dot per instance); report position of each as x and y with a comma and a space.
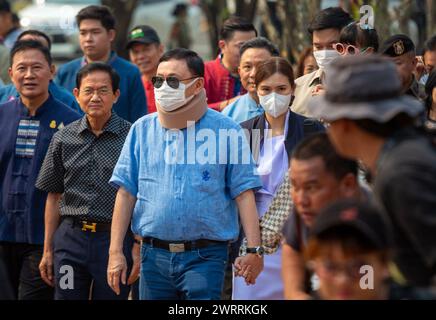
189, 275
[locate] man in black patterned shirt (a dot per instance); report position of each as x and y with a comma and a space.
76, 173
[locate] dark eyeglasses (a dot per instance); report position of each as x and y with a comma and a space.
347, 48
173, 82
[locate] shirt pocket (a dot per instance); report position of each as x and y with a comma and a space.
207, 179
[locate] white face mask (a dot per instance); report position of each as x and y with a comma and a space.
170, 99
275, 104
325, 57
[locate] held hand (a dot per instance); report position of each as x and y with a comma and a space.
134, 274
116, 271
46, 268
249, 267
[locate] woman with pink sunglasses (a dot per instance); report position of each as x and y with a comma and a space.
357, 39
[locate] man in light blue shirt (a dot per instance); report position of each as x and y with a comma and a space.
252, 52
184, 172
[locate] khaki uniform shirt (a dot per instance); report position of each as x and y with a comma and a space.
303, 91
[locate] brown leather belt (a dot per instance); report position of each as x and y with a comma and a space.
180, 246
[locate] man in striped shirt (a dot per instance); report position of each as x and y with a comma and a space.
27, 125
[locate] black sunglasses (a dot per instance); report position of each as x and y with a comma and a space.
173, 82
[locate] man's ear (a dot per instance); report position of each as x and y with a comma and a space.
161, 49
199, 85
52, 71
221, 45
349, 185
112, 34
10, 73
117, 95
414, 61
76, 94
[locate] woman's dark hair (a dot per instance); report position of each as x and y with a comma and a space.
193, 60
266, 69
98, 66
303, 56
364, 37
100, 13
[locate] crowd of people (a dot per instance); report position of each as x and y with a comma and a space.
244, 177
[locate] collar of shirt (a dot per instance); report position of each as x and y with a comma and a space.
25, 112
113, 125
112, 58
316, 77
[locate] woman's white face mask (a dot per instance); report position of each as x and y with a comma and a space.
171, 99
275, 104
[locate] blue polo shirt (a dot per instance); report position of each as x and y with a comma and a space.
23, 145
185, 181
243, 109
9, 92
131, 104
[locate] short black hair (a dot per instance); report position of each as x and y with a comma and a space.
430, 44
319, 145
36, 33
193, 60
5, 6
332, 17
354, 34
260, 43
100, 13
98, 66
235, 23
23, 45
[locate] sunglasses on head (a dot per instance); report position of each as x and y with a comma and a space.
347, 48
172, 81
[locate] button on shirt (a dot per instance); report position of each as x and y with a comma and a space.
23, 145
192, 199
79, 164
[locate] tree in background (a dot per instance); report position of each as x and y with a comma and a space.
123, 10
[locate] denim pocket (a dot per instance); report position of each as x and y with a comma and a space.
217, 253
144, 251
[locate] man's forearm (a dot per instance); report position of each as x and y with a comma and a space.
123, 209
52, 218
249, 218
293, 272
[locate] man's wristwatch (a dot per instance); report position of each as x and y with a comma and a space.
259, 251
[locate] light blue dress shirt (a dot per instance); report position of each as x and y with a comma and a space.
180, 196
242, 109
